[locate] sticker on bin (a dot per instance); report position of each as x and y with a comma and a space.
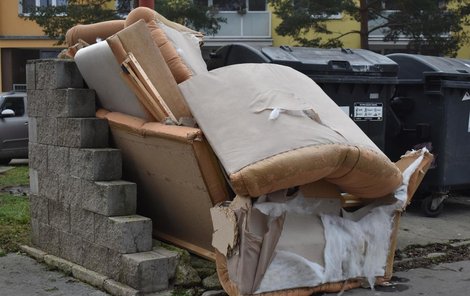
368, 111
466, 97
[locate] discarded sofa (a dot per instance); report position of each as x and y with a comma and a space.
316, 204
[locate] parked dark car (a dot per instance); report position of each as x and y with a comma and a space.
13, 126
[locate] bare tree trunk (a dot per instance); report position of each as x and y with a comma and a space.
364, 20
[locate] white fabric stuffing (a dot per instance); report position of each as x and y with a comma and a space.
288, 270
401, 193
357, 249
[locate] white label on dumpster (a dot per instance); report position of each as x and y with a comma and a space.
466, 96
368, 112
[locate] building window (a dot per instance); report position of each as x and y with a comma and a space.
27, 6
235, 5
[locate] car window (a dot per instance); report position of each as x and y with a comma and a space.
14, 103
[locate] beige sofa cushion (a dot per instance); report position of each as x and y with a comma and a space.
310, 139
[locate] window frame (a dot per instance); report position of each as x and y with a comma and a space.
38, 4
246, 8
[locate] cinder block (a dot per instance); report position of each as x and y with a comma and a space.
59, 215
32, 130
82, 132
30, 75
72, 191
46, 130
33, 182
47, 238
71, 247
37, 106
145, 271
38, 207
71, 102
58, 160
82, 223
125, 234
35, 241
95, 257
37, 154
48, 185
113, 264
110, 198
96, 164
57, 73
172, 258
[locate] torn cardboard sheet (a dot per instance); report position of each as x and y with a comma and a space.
258, 238
224, 237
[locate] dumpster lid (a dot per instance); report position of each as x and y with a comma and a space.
416, 67
336, 61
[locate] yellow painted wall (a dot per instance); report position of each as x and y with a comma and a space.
464, 51
339, 27
11, 24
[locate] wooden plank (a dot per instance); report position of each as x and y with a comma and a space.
144, 79
137, 39
141, 93
146, 97
138, 93
210, 255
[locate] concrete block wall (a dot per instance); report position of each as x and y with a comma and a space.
80, 209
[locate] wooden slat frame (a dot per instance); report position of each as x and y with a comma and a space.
152, 99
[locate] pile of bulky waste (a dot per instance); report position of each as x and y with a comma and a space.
252, 165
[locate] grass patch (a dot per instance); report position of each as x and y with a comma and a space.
17, 176
14, 212
14, 209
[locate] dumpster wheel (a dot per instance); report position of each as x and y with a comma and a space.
433, 205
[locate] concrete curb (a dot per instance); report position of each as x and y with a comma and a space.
82, 274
